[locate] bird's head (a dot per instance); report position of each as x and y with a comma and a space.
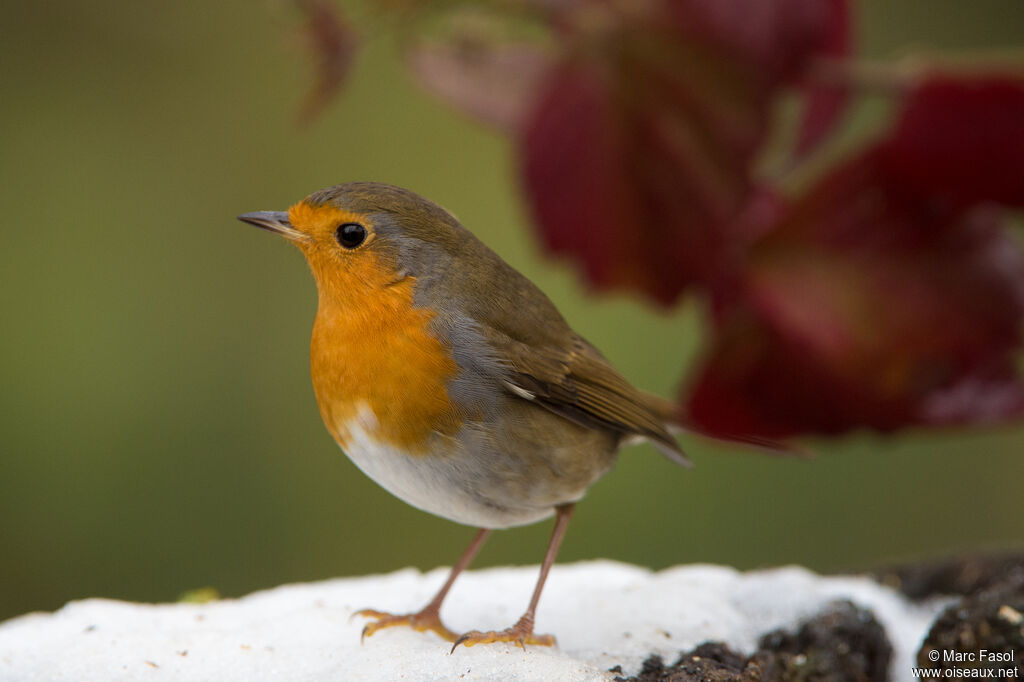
365, 236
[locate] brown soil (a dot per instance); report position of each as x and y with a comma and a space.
977, 632
843, 643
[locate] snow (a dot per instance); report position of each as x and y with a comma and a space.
603, 613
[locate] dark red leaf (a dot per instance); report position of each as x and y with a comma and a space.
824, 103
635, 186
962, 137
333, 45
867, 308
637, 157
777, 37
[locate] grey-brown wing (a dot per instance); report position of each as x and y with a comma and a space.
580, 384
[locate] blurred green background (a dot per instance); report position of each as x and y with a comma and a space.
157, 425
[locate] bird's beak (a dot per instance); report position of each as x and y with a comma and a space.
275, 221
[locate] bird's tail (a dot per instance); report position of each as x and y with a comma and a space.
676, 422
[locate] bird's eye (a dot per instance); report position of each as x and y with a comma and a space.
350, 235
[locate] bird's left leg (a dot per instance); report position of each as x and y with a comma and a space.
429, 618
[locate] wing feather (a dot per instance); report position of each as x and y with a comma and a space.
581, 385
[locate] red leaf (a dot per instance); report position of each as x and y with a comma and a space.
777, 37
637, 157
824, 104
868, 308
333, 45
961, 137
634, 187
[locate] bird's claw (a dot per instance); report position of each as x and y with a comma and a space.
518, 635
427, 619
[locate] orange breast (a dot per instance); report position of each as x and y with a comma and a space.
376, 352
371, 349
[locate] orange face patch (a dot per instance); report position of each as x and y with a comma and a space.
319, 221
340, 273
371, 347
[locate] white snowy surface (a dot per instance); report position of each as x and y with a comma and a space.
603, 614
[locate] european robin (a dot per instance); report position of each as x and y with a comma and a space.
452, 381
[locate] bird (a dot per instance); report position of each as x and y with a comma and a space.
452, 380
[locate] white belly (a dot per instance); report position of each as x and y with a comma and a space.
442, 483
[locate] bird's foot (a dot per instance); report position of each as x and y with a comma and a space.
427, 619
519, 634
